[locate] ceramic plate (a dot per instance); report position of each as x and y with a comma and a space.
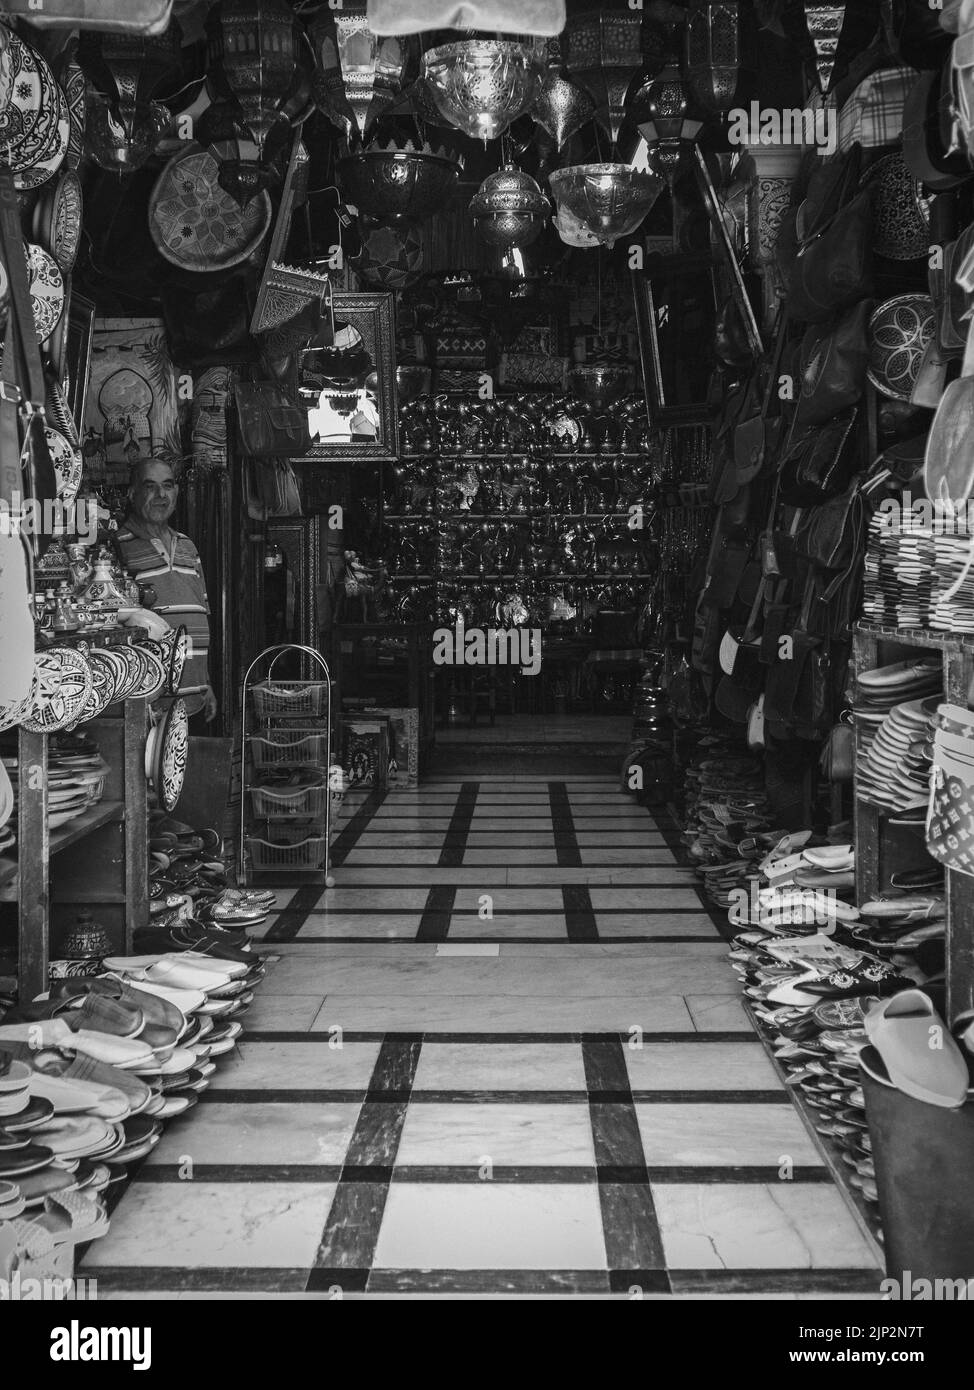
57, 219
20, 115
48, 143
76, 95
46, 290
171, 749
116, 665
155, 674
134, 672
179, 651
195, 223
103, 684
64, 683
68, 464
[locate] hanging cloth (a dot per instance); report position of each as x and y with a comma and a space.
544, 18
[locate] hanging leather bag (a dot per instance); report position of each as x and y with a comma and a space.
833, 366
819, 461
270, 423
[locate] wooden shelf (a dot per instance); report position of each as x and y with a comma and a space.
105, 813
916, 637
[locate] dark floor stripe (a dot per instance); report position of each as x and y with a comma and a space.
580, 922
205, 1279
451, 855
348, 836
349, 1239
512, 940
324, 1039
494, 1281
727, 1281
505, 912
434, 924
566, 845
378, 1175
336, 1096
629, 1222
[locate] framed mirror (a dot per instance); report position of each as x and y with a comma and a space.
676, 318
350, 384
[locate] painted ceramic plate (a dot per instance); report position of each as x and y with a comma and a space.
899, 331
110, 658
134, 672
46, 290
76, 95
19, 116
155, 674
104, 673
64, 684
171, 751
195, 223
57, 219
68, 464
178, 655
48, 143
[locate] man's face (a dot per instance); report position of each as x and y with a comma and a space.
154, 495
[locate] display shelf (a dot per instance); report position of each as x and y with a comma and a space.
99, 858
104, 813
880, 847
866, 1214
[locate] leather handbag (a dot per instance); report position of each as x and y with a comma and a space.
269, 423
24, 389
820, 461
756, 437
832, 534
271, 488
948, 464
838, 758
833, 366
835, 269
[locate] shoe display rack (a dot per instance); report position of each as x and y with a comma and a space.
96, 861
883, 848
285, 771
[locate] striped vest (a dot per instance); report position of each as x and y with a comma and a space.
177, 578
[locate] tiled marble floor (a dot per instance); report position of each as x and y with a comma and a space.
504, 1054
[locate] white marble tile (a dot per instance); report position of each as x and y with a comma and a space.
717, 1013
485, 1226
357, 876
282, 1013
498, 1013
377, 925
609, 825
645, 899
260, 1133
630, 856
340, 898
499, 855
508, 899
656, 923
516, 1066
502, 927
195, 1224
701, 1067
478, 1136
741, 1135
405, 839
496, 839
753, 1226
368, 855
597, 839
270, 1066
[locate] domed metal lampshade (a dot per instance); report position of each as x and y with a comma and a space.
562, 108
392, 180
482, 85
509, 208
609, 200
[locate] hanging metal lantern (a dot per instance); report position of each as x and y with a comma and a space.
124, 72
397, 179
609, 200
254, 62
825, 29
482, 85
392, 255
562, 108
604, 50
509, 208
669, 128
715, 57
357, 73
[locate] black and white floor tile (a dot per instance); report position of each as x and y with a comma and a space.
505, 1054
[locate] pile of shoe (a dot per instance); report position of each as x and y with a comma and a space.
90, 1071
910, 569
895, 708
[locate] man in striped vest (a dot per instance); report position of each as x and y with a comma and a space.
154, 554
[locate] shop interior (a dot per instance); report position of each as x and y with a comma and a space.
487, 604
